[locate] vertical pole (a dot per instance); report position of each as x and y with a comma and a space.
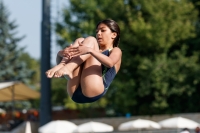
45, 101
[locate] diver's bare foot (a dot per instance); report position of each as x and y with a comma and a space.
50, 73
64, 71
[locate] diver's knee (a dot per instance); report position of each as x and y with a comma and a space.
91, 38
81, 39
91, 41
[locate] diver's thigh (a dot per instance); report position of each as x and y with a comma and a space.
91, 78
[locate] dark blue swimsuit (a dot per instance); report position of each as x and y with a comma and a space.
108, 75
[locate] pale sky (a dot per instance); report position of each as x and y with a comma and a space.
28, 16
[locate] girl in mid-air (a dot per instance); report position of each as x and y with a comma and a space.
90, 64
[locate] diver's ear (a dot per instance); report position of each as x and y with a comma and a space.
114, 35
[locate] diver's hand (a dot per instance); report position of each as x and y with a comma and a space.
76, 51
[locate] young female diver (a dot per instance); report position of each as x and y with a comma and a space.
90, 63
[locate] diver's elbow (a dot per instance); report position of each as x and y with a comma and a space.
110, 65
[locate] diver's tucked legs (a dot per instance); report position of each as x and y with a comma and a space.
91, 77
50, 73
91, 74
75, 61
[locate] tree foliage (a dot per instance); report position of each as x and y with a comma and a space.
34, 66
11, 68
16, 64
160, 64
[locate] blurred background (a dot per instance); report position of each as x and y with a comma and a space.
160, 41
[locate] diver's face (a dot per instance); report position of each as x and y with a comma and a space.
104, 35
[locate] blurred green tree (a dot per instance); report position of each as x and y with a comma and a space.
34, 65
11, 68
59, 92
159, 67
194, 42
16, 65
34, 80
